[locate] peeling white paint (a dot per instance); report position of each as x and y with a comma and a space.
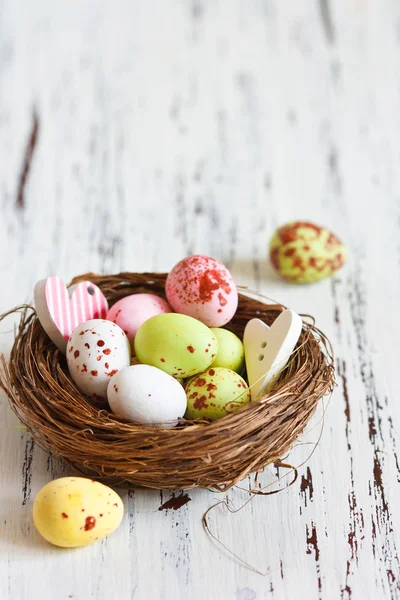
166, 128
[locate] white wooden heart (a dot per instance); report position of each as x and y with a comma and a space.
267, 349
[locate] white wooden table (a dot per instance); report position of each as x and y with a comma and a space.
135, 132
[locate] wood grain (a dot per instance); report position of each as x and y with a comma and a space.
134, 133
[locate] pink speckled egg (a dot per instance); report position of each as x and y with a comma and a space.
202, 287
132, 311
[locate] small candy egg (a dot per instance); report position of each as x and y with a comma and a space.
146, 394
179, 345
303, 252
74, 511
215, 393
203, 288
230, 353
136, 361
132, 311
96, 350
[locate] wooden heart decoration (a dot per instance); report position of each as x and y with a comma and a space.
267, 349
61, 310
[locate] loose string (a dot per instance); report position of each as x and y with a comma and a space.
261, 492
225, 503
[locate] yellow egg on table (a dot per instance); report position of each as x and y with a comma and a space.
74, 511
303, 252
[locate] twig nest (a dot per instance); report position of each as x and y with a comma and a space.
63, 420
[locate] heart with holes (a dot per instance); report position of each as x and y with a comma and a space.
267, 349
61, 310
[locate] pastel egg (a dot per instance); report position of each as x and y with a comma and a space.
96, 350
303, 252
230, 353
74, 511
202, 287
132, 311
136, 361
145, 394
215, 393
179, 345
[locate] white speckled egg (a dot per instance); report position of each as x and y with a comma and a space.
97, 350
146, 394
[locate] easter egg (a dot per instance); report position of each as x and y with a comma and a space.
136, 361
202, 287
230, 353
145, 394
179, 345
96, 350
132, 311
215, 393
303, 252
74, 511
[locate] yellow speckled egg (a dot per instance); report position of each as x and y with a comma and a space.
74, 511
303, 252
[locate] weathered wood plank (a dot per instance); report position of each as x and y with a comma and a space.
133, 134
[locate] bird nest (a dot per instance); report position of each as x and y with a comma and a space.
213, 455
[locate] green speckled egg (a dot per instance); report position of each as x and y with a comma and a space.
303, 252
230, 353
179, 345
215, 393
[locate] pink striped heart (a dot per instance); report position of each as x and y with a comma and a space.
61, 310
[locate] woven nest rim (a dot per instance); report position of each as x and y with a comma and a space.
213, 455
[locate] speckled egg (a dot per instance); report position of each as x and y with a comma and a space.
74, 511
132, 311
136, 361
230, 353
203, 288
179, 345
145, 394
215, 393
96, 350
303, 252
